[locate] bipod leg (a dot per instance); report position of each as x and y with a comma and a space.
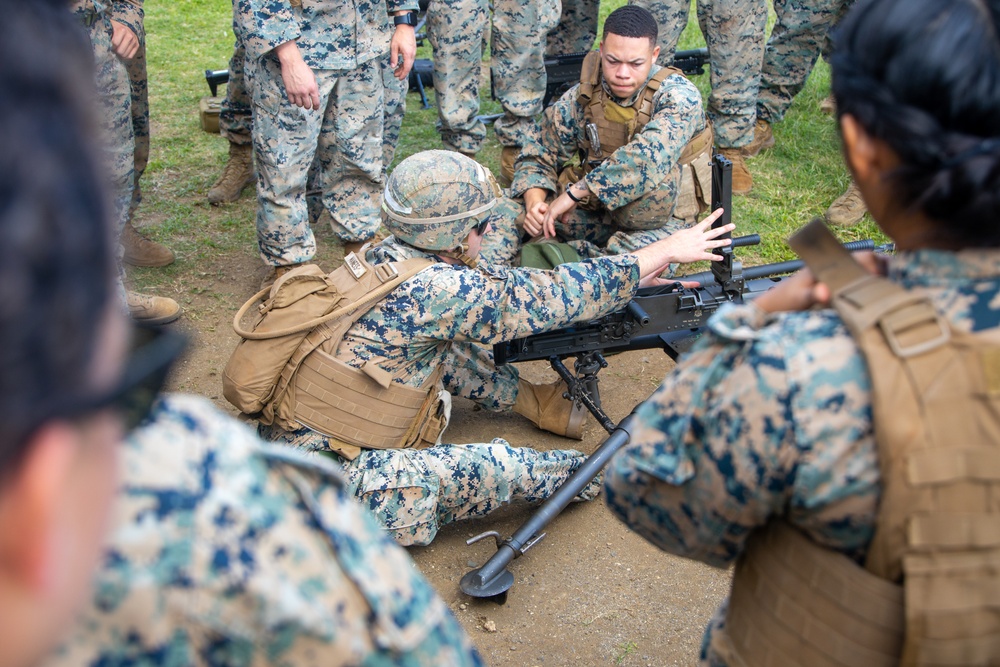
585, 389
493, 580
423, 95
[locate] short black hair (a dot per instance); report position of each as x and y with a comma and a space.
56, 257
631, 21
924, 77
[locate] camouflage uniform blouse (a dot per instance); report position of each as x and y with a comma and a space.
227, 551
771, 415
414, 328
635, 169
331, 35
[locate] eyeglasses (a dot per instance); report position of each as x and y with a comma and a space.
153, 353
481, 227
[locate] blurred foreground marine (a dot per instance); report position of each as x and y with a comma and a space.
362, 362
621, 160
222, 550
841, 492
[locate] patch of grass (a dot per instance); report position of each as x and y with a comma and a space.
625, 649
793, 182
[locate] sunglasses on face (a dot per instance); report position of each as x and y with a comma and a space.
153, 353
481, 227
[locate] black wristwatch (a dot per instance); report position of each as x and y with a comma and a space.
409, 18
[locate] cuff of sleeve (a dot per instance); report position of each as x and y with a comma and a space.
402, 5
129, 15
256, 48
739, 321
525, 180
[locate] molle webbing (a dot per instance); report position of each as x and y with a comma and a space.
794, 602
936, 411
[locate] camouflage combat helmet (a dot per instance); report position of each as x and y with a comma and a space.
434, 198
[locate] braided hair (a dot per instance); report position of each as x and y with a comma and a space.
924, 77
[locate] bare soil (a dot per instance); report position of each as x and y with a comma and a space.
590, 593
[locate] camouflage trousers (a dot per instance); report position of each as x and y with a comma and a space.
139, 85
114, 106
735, 32
414, 492
799, 35
455, 29
469, 371
344, 140
236, 115
591, 233
577, 28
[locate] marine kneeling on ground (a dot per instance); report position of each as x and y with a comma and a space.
362, 362
621, 160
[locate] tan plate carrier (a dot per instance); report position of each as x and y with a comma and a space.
285, 371
936, 549
616, 129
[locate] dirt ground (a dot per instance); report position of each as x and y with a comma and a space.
590, 593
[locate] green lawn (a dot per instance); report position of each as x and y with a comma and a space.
793, 182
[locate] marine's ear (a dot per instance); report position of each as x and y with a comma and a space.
31, 500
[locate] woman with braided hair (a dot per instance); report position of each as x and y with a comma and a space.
844, 456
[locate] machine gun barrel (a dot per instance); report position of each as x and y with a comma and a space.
493, 580
778, 268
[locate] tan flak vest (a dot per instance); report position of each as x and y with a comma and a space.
615, 126
285, 372
930, 590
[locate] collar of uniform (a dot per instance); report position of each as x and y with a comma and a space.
634, 96
936, 267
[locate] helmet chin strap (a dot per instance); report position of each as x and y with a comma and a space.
460, 254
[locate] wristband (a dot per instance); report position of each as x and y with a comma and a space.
569, 192
409, 18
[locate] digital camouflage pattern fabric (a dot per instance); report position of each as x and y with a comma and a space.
797, 38
227, 551
734, 31
645, 173
577, 28
771, 416
343, 45
236, 115
414, 492
456, 29
114, 95
449, 316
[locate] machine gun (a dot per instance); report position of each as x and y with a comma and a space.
669, 318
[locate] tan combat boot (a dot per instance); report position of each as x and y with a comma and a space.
356, 246
848, 209
742, 180
763, 138
151, 310
236, 175
545, 407
507, 158
140, 251
276, 272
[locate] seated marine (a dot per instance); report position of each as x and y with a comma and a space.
209, 546
371, 381
621, 160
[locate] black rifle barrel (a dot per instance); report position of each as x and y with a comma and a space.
492, 579
766, 270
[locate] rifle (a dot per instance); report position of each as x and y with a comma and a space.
668, 317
